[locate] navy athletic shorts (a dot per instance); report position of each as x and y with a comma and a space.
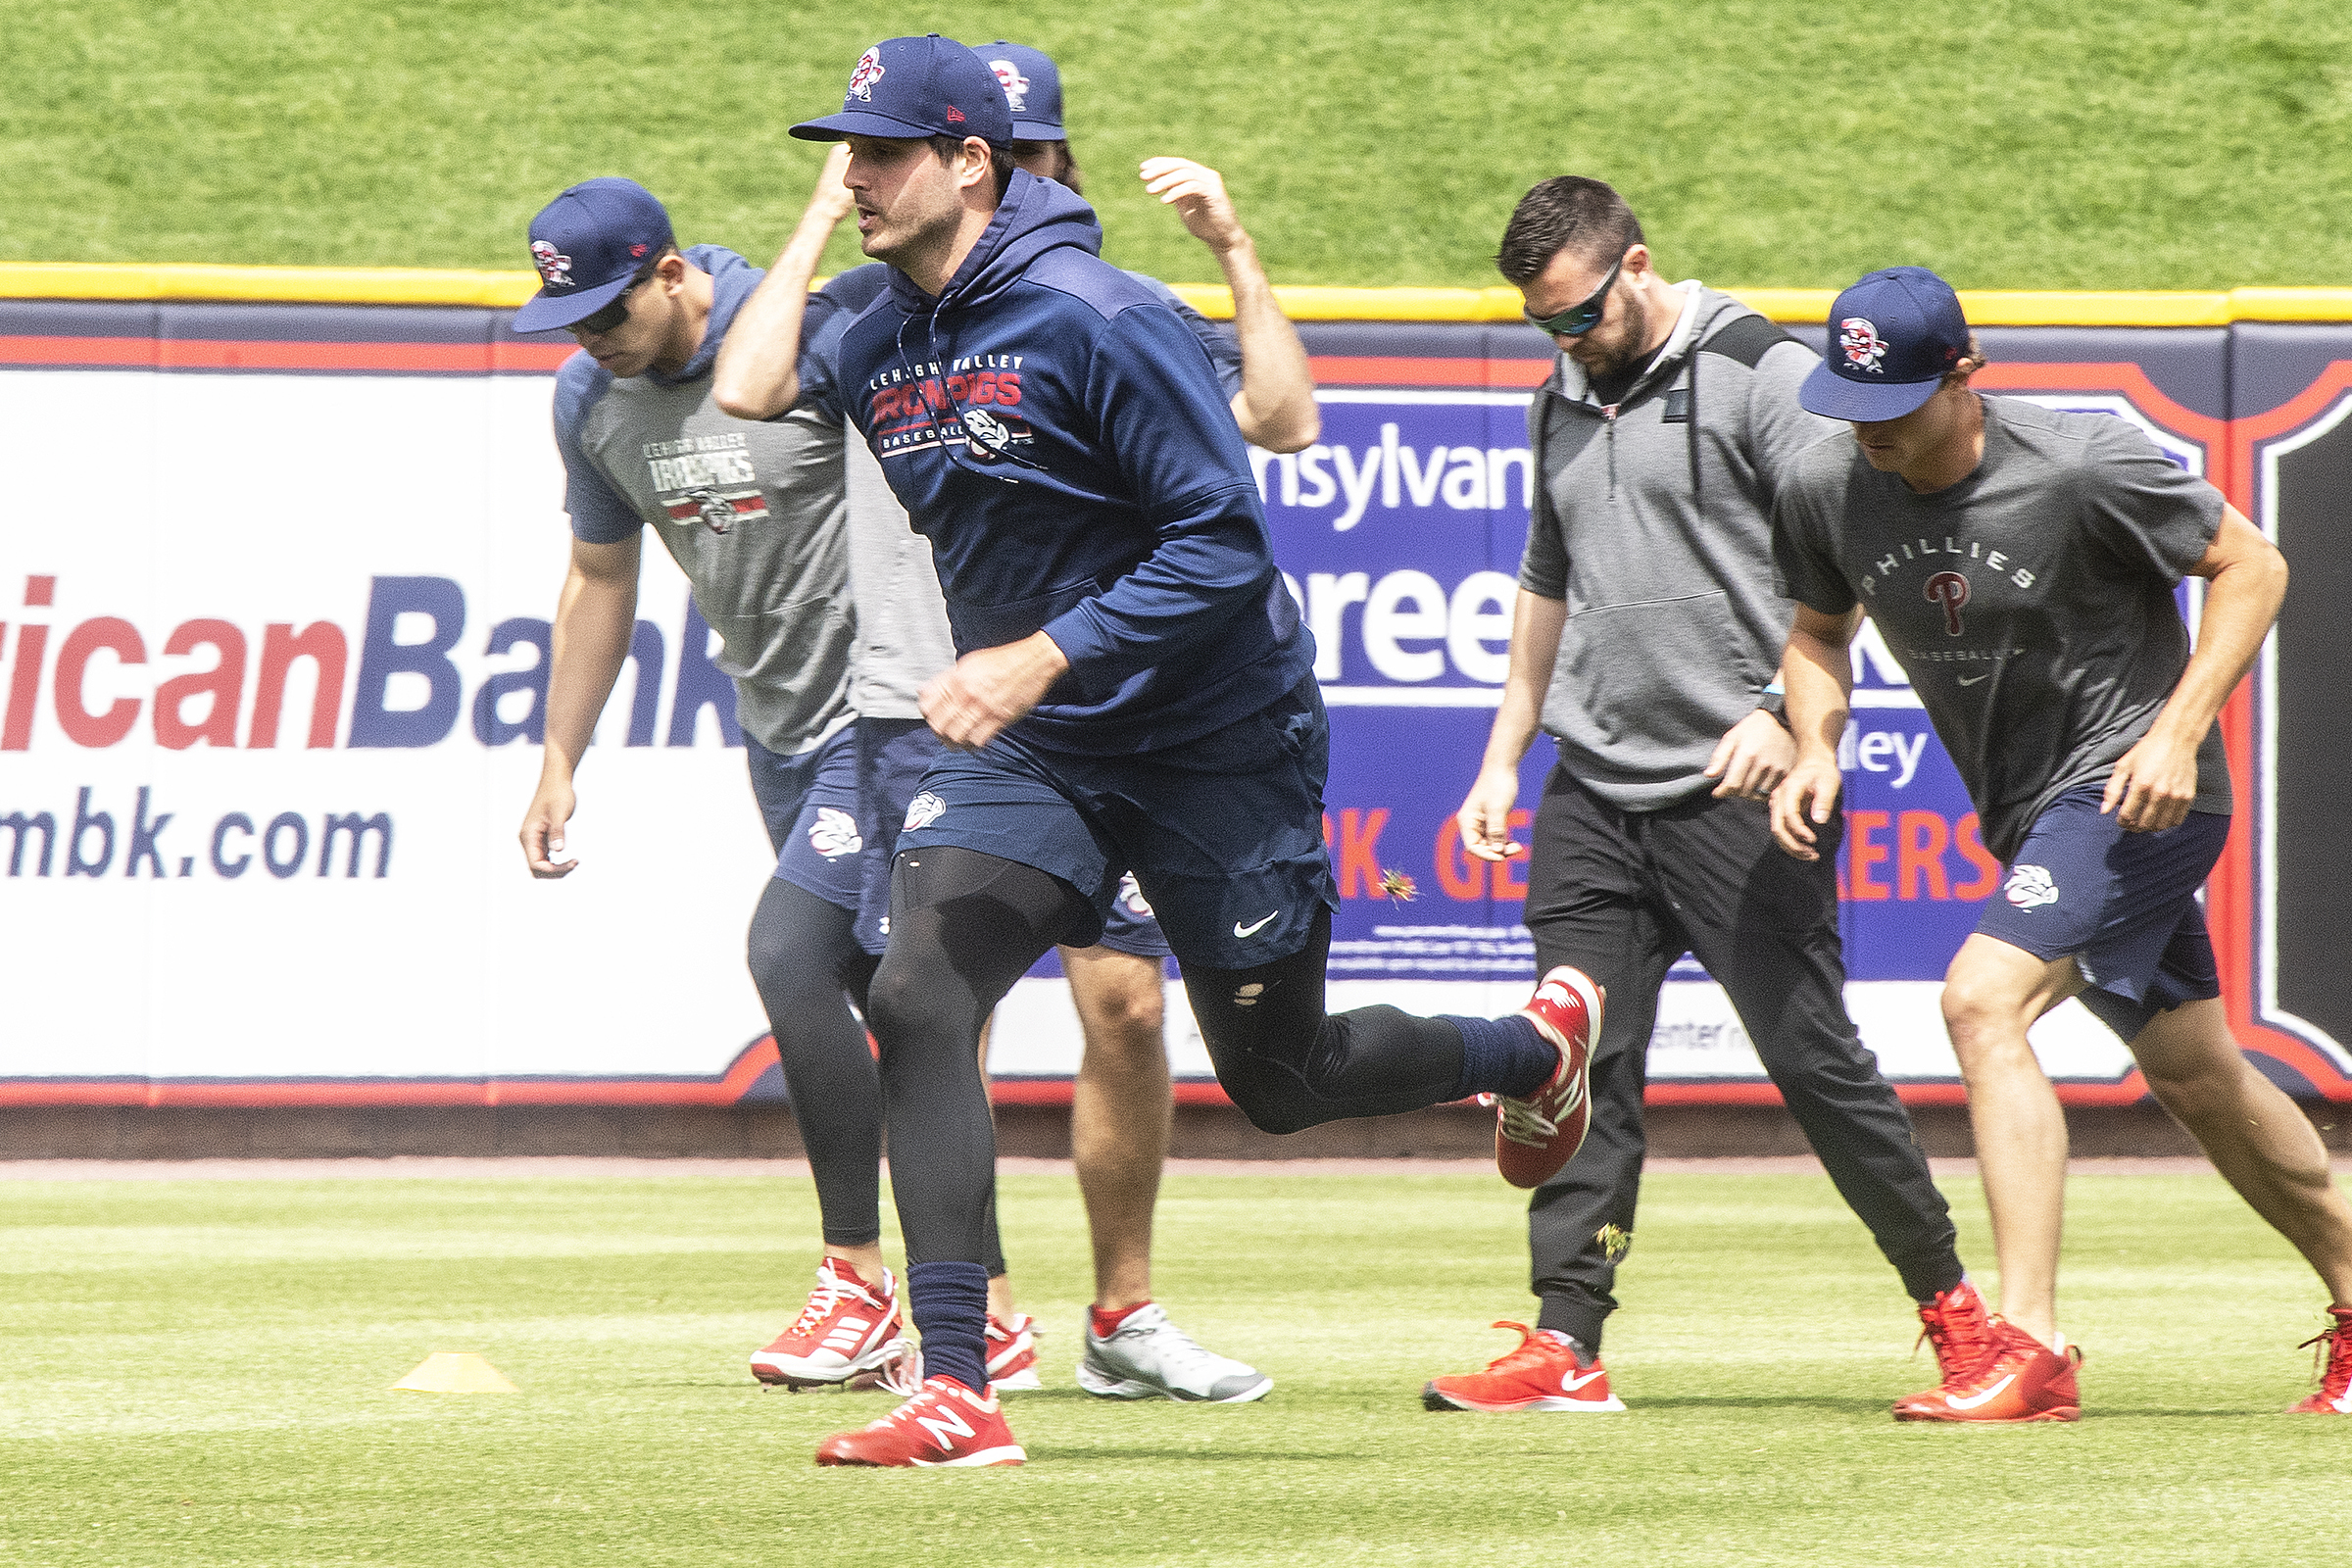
2123, 906
1224, 834
810, 804
893, 755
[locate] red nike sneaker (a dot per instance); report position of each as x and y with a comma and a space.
1957, 1325
848, 1336
1541, 1374
1011, 1352
945, 1425
2334, 1370
2019, 1379
1536, 1136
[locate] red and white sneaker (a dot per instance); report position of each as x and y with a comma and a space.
2020, 1379
849, 1335
1536, 1136
1542, 1374
945, 1424
2334, 1370
1960, 1329
1012, 1352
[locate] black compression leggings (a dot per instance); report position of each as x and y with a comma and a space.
964, 926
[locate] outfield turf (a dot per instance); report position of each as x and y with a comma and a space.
197, 1373
2010, 144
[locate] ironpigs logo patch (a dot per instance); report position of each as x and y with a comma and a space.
834, 833
923, 811
865, 74
2031, 887
986, 430
555, 268
1015, 85
720, 511
1861, 344
1130, 894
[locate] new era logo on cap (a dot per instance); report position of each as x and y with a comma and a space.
910, 87
1893, 338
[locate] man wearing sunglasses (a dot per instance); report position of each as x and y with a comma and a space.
1646, 631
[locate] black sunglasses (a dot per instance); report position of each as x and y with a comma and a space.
1578, 319
616, 310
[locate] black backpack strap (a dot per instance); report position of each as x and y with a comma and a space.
1748, 339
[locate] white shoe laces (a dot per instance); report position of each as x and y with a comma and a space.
1521, 1122
1173, 1347
830, 1289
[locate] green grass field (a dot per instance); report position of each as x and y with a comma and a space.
2117, 144
197, 1374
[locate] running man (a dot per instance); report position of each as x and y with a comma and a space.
1134, 691
2021, 563
1652, 837
1121, 1105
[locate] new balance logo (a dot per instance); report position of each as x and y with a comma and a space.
949, 1420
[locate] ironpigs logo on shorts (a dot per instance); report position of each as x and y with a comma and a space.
1862, 345
923, 811
834, 833
865, 74
1015, 85
2030, 886
1130, 894
555, 268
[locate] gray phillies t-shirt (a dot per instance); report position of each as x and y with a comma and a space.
2030, 603
755, 513
903, 635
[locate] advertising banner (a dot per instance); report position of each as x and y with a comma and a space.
276, 585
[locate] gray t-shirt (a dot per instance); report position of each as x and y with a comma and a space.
2030, 603
753, 514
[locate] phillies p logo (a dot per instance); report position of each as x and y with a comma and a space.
1950, 590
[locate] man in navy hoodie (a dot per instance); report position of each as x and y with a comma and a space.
1133, 690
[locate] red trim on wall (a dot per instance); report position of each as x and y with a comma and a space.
209, 354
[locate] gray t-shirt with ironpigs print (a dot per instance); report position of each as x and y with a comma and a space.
2030, 603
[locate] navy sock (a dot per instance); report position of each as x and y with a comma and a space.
1503, 1057
951, 1312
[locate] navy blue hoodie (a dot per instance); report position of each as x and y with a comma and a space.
1057, 433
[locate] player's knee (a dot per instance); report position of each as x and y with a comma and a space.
1275, 1112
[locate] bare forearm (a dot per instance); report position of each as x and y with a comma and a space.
594, 622
1816, 677
1278, 387
758, 375
2242, 604
1536, 624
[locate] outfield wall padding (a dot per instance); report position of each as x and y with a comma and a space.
276, 581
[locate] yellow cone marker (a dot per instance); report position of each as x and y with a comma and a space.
455, 1372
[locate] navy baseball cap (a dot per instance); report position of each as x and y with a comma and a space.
1032, 85
588, 243
1892, 336
908, 87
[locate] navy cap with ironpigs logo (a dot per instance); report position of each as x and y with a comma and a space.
588, 243
1032, 85
1893, 338
910, 87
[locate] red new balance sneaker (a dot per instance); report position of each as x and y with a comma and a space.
945, 1424
1536, 1136
2334, 1370
1012, 1352
1957, 1325
2019, 1379
849, 1335
1541, 1374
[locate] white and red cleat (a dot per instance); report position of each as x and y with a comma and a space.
1541, 1374
2334, 1396
1536, 1136
945, 1424
1012, 1352
849, 1335
2020, 1379
1960, 1329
